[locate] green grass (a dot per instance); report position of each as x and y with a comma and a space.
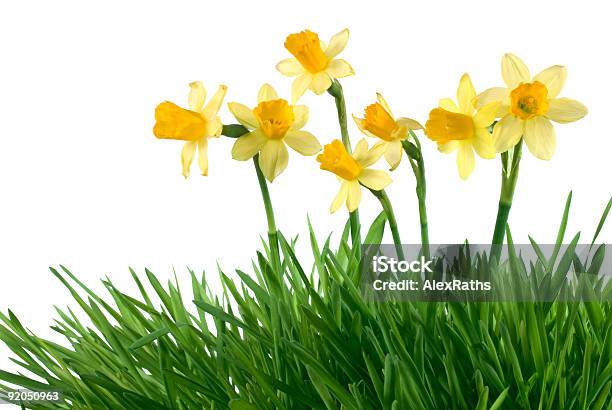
304, 337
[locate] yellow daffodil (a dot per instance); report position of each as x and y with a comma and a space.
194, 125
314, 63
527, 106
273, 123
353, 171
461, 127
379, 122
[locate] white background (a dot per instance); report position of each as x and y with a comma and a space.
84, 183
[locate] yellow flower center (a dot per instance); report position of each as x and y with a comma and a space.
378, 121
529, 100
335, 159
174, 122
444, 126
306, 47
275, 117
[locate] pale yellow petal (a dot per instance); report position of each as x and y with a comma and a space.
393, 153
448, 105
360, 124
514, 71
465, 159
466, 95
273, 159
381, 100
339, 68
187, 156
243, 114
214, 127
197, 96
365, 159
483, 143
267, 93
374, 179
486, 115
564, 110
337, 43
496, 94
507, 133
299, 86
203, 156
300, 116
340, 197
290, 67
361, 149
354, 195
553, 78
448, 147
211, 109
303, 142
540, 137
320, 82
248, 145
409, 123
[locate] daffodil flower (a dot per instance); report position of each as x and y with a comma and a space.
194, 125
273, 123
379, 122
314, 63
463, 128
352, 170
527, 106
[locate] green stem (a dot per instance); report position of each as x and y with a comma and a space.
236, 131
272, 232
415, 157
335, 90
509, 178
388, 208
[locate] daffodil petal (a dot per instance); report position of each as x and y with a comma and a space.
448, 147
393, 153
409, 123
214, 127
211, 109
361, 149
564, 110
266, 93
339, 68
374, 179
320, 82
507, 133
483, 143
290, 67
300, 116
381, 100
360, 125
248, 145
369, 157
273, 159
299, 86
514, 71
243, 114
540, 137
187, 156
465, 159
337, 43
496, 94
354, 196
197, 96
203, 155
340, 197
466, 95
486, 115
553, 78
303, 142
448, 105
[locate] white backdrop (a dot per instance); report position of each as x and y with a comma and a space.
83, 182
